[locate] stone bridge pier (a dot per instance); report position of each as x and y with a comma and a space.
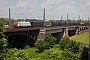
81, 29
57, 33
61, 32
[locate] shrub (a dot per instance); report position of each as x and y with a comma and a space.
47, 43
15, 54
85, 53
68, 55
40, 45
70, 45
64, 43
26, 47
3, 41
50, 39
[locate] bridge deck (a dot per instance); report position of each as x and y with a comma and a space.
56, 27
21, 29
37, 28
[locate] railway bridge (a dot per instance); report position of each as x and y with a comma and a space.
18, 37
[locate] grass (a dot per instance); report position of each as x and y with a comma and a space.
83, 38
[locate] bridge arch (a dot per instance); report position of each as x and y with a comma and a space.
21, 39
19, 34
72, 32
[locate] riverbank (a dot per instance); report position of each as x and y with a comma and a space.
82, 38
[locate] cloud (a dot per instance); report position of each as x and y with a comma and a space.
48, 3
25, 4
22, 4
3, 4
60, 7
54, 1
69, 5
30, 11
85, 5
65, 7
88, 3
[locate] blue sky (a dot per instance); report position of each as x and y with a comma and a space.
54, 9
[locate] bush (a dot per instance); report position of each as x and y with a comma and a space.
68, 55
70, 45
26, 47
3, 41
85, 53
64, 43
15, 54
40, 45
47, 43
75, 48
50, 39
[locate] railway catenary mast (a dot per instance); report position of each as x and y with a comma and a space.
67, 16
9, 18
74, 18
61, 17
44, 15
44, 18
78, 17
88, 20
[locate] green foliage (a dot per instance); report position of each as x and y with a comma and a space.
15, 54
75, 48
56, 46
26, 47
68, 55
2, 29
40, 44
54, 54
64, 43
3, 41
85, 53
3, 48
72, 51
70, 45
31, 52
50, 39
57, 54
6, 21
47, 43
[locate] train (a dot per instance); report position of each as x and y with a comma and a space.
30, 24
40, 24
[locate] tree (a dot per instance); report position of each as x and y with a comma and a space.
47, 43
67, 44
3, 41
50, 39
64, 43
2, 29
41, 45
15, 54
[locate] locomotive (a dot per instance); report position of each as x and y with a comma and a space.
21, 24
40, 24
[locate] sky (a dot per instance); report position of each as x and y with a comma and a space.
54, 9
